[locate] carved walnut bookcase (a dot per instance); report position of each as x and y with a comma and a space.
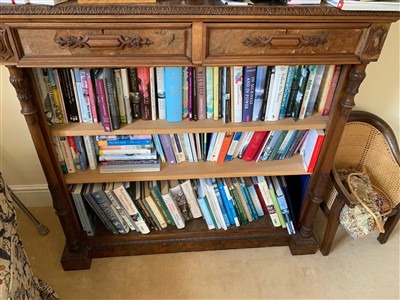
187, 33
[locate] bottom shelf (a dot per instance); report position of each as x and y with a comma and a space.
195, 237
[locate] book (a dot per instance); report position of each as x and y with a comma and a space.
152, 207
185, 92
87, 195
226, 142
307, 92
278, 88
216, 92
173, 93
393, 5
227, 202
143, 77
315, 88
275, 202
204, 206
237, 75
59, 153
191, 198
254, 196
171, 205
126, 166
327, 102
262, 183
249, 81
286, 92
101, 92
178, 196
232, 147
155, 192
254, 144
120, 95
126, 95
311, 148
201, 93
300, 92
261, 74
81, 152
283, 205
86, 215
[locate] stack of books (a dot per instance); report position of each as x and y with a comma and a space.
367, 5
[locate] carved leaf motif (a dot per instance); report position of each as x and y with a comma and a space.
73, 42
133, 42
5, 49
273, 41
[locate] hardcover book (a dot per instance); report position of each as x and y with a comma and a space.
173, 93
143, 76
249, 82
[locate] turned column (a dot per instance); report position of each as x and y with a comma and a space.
334, 133
54, 178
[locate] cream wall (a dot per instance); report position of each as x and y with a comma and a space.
379, 93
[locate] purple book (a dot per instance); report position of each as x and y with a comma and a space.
249, 82
190, 94
201, 92
167, 146
102, 99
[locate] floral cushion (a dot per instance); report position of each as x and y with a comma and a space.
16, 278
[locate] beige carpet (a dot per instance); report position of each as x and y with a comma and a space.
356, 269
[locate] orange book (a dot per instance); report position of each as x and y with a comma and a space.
226, 142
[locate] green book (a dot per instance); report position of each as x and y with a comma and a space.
156, 194
275, 202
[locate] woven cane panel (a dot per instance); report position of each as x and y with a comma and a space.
330, 195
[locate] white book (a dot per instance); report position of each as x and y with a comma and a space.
77, 97
278, 89
315, 88
193, 146
262, 184
160, 92
214, 205
213, 138
90, 151
120, 95
191, 199
126, 93
172, 206
271, 91
127, 202
237, 93
118, 205
154, 207
67, 154
217, 146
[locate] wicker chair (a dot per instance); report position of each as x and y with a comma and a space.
368, 143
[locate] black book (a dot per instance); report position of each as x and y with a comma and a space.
134, 95
220, 80
300, 92
112, 98
293, 91
266, 91
227, 113
68, 95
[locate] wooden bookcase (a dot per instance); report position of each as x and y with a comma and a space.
187, 33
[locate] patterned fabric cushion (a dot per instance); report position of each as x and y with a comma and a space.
16, 278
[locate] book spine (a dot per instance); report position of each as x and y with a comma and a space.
185, 92
315, 153
233, 145
167, 146
226, 210
201, 93
237, 93
216, 92
261, 74
226, 142
120, 95
210, 92
242, 200
91, 83
254, 198
191, 199
307, 93
231, 204
126, 95
286, 92
112, 100
143, 74
161, 92
59, 153
268, 201
81, 152
156, 193
314, 92
173, 93
300, 93
332, 89
293, 91
249, 79
102, 99
254, 144
134, 95
153, 94
279, 88
275, 202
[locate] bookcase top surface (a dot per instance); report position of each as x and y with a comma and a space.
193, 8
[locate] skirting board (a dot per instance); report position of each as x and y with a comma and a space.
35, 195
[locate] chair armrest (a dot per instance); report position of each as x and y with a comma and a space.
342, 190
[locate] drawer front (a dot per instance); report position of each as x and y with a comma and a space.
136, 43
261, 42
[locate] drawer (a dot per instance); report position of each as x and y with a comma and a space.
280, 43
97, 44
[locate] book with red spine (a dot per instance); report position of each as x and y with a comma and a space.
143, 74
254, 145
311, 148
102, 100
92, 95
331, 90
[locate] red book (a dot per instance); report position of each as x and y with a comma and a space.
102, 100
331, 91
143, 74
255, 143
311, 148
226, 142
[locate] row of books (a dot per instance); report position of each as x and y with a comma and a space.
153, 205
144, 153
235, 94
366, 5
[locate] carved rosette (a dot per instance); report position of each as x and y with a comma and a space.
375, 41
5, 48
273, 41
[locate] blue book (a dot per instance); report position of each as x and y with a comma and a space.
225, 201
157, 143
231, 203
249, 202
283, 205
204, 206
249, 83
83, 162
173, 93
261, 75
221, 204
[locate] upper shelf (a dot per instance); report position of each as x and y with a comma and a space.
316, 121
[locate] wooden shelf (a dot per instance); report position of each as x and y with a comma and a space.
186, 170
316, 121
